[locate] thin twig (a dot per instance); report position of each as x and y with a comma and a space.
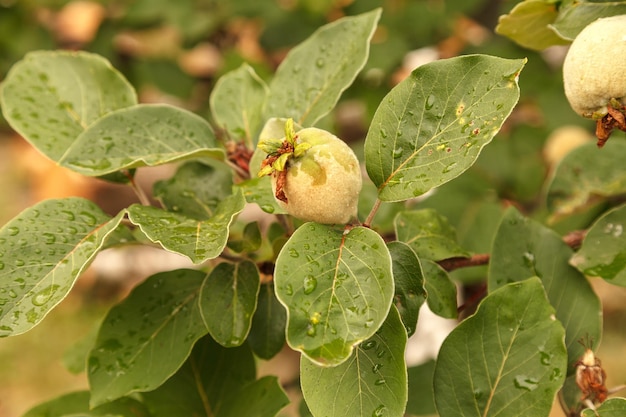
370, 217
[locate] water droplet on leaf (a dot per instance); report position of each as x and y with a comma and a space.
310, 284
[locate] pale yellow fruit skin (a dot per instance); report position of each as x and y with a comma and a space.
323, 185
594, 70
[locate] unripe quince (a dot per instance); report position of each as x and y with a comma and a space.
594, 74
315, 175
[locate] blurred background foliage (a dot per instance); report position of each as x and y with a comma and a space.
174, 51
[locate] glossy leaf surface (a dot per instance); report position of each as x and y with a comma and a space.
431, 127
603, 252
43, 250
372, 382
408, 283
227, 301
337, 288
586, 175
506, 359
429, 234
199, 240
237, 103
77, 404
311, 78
142, 135
523, 248
135, 349
51, 97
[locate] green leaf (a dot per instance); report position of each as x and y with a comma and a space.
227, 301
372, 382
142, 135
429, 234
603, 252
43, 250
75, 357
250, 241
573, 18
506, 359
421, 401
523, 248
263, 398
431, 127
409, 283
440, 290
337, 288
237, 103
51, 97
267, 335
210, 378
310, 80
259, 191
135, 349
613, 407
528, 25
586, 175
77, 404
199, 240
196, 189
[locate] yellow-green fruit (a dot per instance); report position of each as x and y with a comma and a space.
322, 185
594, 70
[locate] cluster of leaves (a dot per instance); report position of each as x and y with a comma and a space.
184, 341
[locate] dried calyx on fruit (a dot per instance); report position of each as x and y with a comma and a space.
315, 175
594, 75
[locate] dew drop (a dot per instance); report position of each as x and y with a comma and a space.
379, 411
383, 133
368, 345
397, 153
525, 383
310, 284
430, 102
13, 231
529, 259
12, 294
376, 367
320, 63
380, 381
88, 218
49, 238
545, 358
43, 296
288, 289
293, 253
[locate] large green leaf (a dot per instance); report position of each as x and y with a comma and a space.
199, 240
43, 250
603, 252
267, 335
196, 189
77, 404
51, 97
431, 127
373, 382
147, 337
310, 80
142, 135
528, 24
408, 283
263, 398
573, 18
421, 401
429, 234
337, 288
613, 407
523, 248
228, 300
237, 103
587, 174
507, 359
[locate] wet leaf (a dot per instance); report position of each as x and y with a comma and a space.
408, 282
51, 97
574, 17
506, 359
613, 407
142, 135
237, 103
267, 335
372, 382
603, 252
43, 250
528, 24
440, 290
77, 404
337, 288
431, 127
199, 240
134, 351
523, 248
586, 175
259, 191
196, 189
311, 78
228, 300
429, 234
250, 241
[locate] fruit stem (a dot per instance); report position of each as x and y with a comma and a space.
370, 217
